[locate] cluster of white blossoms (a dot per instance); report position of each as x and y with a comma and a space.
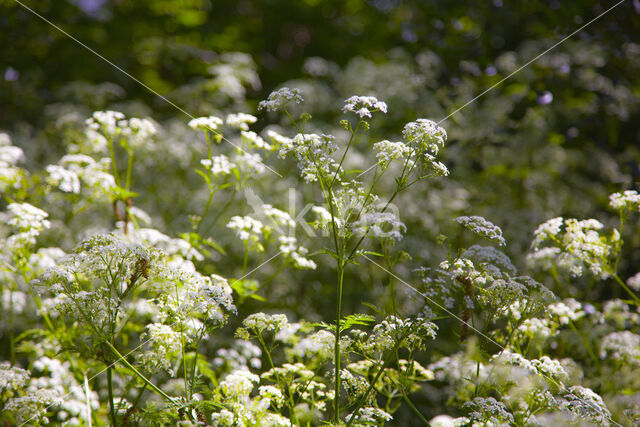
28, 220
427, 136
165, 344
313, 153
248, 230
253, 140
318, 345
290, 248
586, 404
33, 407
259, 322
483, 228
10, 156
240, 120
278, 217
369, 416
12, 377
544, 366
279, 99
626, 200
209, 123
219, 165
488, 411
622, 346
566, 311
380, 225
387, 151
363, 106
239, 383
76, 171
536, 329
113, 124
581, 242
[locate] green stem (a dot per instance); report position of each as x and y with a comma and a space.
129, 168
116, 175
336, 402
112, 408
413, 408
636, 300
140, 375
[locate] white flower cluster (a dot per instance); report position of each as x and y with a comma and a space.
413, 332
239, 383
76, 171
581, 242
29, 222
32, 407
259, 322
249, 230
483, 228
369, 416
241, 354
241, 120
489, 411
210, 123
166, 346
629, 199
313, 153
387, 151
317, 345
113, 124
12, 378
544, 366
535, 328
9, 157
566, 311
380, 225
252, 139
249, 163
278, 217
363, 106
218, 165
426, 135
622, 346
290, 248
52, 374
585, 403
280, 98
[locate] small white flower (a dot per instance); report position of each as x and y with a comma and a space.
363, 106
210, 123
280, 98
241, 120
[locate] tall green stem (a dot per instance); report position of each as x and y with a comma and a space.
112, 408
336, 402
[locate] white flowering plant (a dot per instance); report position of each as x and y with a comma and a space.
134, 301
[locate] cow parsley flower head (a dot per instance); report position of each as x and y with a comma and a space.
363, 106
382, 225
105, 121
252, 139
12, 377
218, 165
289, 248
241, 120
426, 135
66, 180
247, 228
280, 98
585, 403
27, 217
629, 199
482, 227
548, 230
388, 151
313, 153
205, 123
239, 383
